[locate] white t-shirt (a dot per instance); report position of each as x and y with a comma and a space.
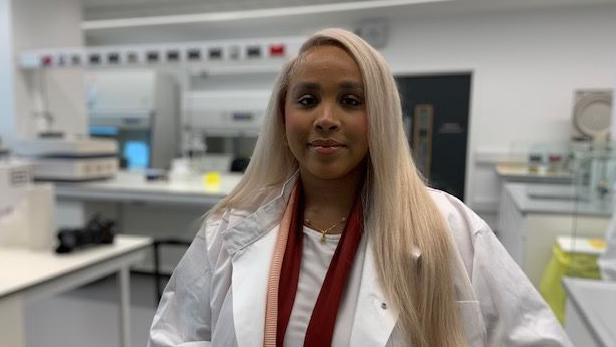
316, 258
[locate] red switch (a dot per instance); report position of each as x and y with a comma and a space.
277, 50
46, 60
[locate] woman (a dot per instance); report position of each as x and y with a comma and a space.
332, 238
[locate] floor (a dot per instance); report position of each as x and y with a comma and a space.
88, 316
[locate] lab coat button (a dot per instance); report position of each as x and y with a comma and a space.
383, 305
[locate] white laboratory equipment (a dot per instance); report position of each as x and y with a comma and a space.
138, 108
226, 113
15, 175
26, 209
592, 114
227, 123
222, 114
70, 158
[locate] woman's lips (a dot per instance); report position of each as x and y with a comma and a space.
326, 149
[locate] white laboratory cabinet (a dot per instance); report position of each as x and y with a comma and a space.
532, 217
591, 312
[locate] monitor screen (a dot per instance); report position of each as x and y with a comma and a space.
134, 145
136, 154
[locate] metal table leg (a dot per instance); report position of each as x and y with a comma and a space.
124, 288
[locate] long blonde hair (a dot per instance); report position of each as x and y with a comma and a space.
413, 250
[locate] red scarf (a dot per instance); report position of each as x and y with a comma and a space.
323, 320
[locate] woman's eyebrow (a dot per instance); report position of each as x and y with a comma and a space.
314, 86
301, 86
352, 85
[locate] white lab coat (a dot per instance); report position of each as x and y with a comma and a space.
216, 295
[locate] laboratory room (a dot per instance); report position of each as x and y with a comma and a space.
307, 173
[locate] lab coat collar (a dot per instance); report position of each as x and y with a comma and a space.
246, 230
250, 245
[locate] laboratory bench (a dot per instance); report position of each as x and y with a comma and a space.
131, 186
591, 312
163, 210
28, 276
521, 173
558, 199
532, 216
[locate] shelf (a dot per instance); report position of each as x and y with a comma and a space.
220, 56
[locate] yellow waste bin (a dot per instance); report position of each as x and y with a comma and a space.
571, 257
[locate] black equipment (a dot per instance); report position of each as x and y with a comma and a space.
97, 231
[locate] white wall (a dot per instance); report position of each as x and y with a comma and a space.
525, 69
525, 64
28, 24
7, 103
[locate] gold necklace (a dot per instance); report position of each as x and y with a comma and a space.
323, 231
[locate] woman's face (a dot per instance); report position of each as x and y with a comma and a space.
325, 114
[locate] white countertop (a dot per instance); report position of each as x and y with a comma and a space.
22, 268
132, 186
596, 303
554, 201
514, 172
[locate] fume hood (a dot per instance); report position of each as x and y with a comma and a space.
139, 109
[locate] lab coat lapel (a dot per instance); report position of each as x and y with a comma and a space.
251, 242
375, 318
249, 288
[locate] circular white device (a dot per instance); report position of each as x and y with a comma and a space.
592, 114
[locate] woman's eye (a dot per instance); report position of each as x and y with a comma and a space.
350, 100
307, 100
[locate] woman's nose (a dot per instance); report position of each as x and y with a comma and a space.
326, 119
